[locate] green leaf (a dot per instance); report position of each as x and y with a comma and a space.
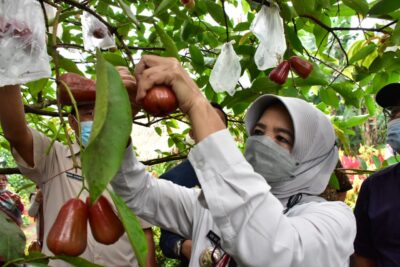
346, 90
293, 38
334, 182
115, 59
216, 12
396, 34
76, 261
370, 104
356, 120
170, 48
329, 97
363, 53
164, 6
264, 85
68, 65
12, 245
360, 6
128, 12
384, 7
37, 86
377, 162
197, 56
133, 229
302, 8
111, 129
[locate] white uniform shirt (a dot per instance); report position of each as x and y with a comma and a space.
237, 205
59, 182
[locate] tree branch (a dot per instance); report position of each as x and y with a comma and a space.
146, 162
226, 20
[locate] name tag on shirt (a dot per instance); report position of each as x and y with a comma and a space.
74, 176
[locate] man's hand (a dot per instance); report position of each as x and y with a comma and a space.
130, 84
155, 70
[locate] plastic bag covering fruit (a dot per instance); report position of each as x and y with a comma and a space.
301, 67
68, 235
160, 101
267, 26
226, 72
23, 51
105, 224
95, 33
83, 89
280, 73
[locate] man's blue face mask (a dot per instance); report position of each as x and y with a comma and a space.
86, 129
393, 135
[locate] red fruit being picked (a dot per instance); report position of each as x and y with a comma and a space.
301, 67
105, 224
280, 73
160, 101
68, 235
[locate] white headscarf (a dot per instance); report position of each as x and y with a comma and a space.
314, 145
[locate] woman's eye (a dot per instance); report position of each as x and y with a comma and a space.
283, 140
258, 132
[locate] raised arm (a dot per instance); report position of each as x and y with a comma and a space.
13, 123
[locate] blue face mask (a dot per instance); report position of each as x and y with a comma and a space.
86, 129
393, 135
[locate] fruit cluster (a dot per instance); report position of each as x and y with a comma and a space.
68, 235
300, 66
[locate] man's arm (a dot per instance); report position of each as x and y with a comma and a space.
12, 120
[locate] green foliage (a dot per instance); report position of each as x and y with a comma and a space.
12, 239
350, 65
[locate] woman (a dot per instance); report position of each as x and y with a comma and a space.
263, 211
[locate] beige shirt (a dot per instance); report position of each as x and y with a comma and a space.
59, 182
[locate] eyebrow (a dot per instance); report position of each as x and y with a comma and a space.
279, 129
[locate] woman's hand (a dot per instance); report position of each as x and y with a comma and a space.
155, 70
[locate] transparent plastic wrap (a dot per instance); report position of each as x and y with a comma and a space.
95, 33
267, 26
23, 50
226, 72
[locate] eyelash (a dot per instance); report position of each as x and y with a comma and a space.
258, 132
279, 138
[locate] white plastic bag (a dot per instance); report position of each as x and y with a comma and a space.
226, 72
267, 26
95, 33
23, 51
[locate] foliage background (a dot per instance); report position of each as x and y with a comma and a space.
351, 62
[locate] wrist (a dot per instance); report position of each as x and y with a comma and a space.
178, 247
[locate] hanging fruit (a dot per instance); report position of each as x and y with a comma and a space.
301, 67
68, 235
280, 73
105, 224
83, 89
160, 101
189, 4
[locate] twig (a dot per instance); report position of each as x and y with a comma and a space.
226, 20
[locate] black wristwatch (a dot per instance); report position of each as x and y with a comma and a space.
178, 247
